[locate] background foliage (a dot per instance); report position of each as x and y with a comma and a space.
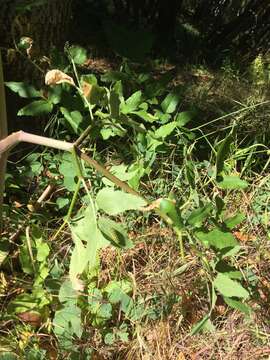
173, 98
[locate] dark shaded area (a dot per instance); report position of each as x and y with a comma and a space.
182, 31
210, 29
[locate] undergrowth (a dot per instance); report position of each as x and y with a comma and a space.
91, 272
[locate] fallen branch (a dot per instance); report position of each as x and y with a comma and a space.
14, 139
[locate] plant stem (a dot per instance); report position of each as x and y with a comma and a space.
180, 240
72, 204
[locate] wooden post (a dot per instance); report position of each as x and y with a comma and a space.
3, 134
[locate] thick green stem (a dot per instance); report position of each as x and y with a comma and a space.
180, 240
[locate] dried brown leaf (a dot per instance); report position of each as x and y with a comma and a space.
54, 77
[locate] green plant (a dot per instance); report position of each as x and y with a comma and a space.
144, 113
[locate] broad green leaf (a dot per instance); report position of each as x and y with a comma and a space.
55, 94
120, 171
222, 153
199, 326
168, 207
35, 108
217, 238
110, 130
118, 88
114, 103
219, 205
123, 336
105, 311
114, 233
229, 252
109, 338
62, 202
89, 78
36, 168
169, 104
43, 250
41, 274
67, 322
198, 216
145, 115
232, 182
238, 305
74, 118
25, 302
114, 202
144, 106
190, 173
229, 288
164, 118
24, 256
67, 294
116, 289
165, 130
23, 90
228, 270
78, 54
235, 220
184, 117
96, 94
68, 170
85, 230
132, 103
80, 258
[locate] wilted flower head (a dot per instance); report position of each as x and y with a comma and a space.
55, 76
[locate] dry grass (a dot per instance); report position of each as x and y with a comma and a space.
153, 265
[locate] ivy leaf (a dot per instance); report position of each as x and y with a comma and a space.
229, 288
114, 202
35, 108
23, 90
